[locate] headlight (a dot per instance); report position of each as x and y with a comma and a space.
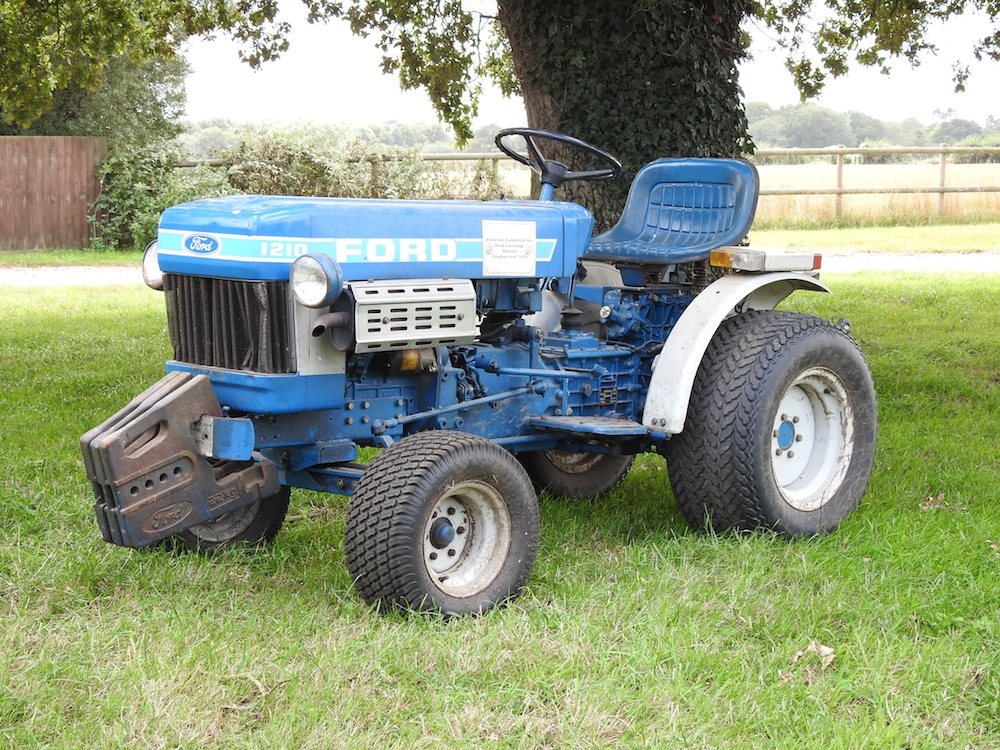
316, 280
151, 272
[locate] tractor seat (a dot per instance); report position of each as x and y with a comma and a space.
679, 210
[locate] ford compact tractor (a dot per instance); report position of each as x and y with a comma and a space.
491, 350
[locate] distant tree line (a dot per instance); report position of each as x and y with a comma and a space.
793, 126
812, 126
208, 138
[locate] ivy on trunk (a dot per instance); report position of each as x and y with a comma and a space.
642, 81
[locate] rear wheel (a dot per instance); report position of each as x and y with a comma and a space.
575, 475
444, 522
781, 427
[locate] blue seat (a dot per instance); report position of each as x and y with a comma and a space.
679, 210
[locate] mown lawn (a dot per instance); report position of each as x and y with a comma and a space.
634, 632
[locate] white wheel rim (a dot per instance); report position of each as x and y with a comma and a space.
812, 439
466, 538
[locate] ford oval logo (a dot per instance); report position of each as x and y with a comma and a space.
201, 244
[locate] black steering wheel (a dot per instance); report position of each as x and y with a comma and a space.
552, 172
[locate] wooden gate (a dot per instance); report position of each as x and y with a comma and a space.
47, 184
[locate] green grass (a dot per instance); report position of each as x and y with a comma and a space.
39, 258
940, 238
634, 631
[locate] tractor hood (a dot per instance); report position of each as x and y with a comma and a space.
258, 237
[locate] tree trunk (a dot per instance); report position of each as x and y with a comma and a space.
593, 70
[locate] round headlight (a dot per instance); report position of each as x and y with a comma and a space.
151, 272
316, 280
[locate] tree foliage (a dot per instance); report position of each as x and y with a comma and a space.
644, 78
805, 126
137, 102
823, 42
50, 45
811, 126
443, 47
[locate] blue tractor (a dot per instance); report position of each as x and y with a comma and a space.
491, 350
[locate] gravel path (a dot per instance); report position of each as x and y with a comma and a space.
856, 263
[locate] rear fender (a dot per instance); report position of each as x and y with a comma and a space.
675, 368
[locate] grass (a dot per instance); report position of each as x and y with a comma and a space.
634, 632
939, 238
40, 258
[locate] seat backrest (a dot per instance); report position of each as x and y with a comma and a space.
679, 210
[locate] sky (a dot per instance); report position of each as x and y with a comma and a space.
330, 76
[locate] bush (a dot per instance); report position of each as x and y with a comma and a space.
882, 158
457, 181
279, 165
991, 140
133, 181
137, 184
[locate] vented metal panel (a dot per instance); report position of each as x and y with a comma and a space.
236, 325
413, 314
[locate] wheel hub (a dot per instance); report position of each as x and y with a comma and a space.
466, 538
812, 439
442, 533
786, 435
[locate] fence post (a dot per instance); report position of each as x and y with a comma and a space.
942, 159
375, 174
840, 183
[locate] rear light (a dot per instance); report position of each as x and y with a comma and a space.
759, 260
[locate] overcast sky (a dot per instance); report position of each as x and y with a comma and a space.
329, 75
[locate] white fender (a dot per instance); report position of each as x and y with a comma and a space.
676, 366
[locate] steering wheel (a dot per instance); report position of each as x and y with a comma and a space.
552, 172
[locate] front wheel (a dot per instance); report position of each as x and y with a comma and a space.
251, 525
781, 427
444, 522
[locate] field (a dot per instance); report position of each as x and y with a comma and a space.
634, 632
883, 209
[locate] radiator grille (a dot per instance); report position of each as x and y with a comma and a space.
236, 325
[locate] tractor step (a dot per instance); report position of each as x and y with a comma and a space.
590, 426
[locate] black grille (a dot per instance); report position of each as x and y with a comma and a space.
237, 325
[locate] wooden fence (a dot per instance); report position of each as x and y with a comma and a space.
47, 184
939, 154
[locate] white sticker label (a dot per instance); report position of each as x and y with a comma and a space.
509, 248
